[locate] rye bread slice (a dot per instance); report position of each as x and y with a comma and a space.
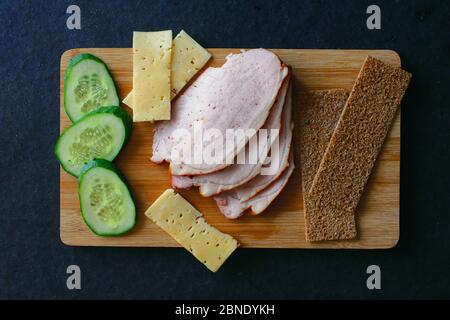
353, 150
319, 113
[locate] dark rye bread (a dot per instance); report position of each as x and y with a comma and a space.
318, 117
319, 113
353, 150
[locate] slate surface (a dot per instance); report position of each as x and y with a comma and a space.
33, 261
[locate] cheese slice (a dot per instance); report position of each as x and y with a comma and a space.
188, 57
129, 99
172, 213
152, 55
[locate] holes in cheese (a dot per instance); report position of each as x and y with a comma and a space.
172, 213
155, 47
188, 58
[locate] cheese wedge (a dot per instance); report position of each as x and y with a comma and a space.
188, 57
172, 213
152, 55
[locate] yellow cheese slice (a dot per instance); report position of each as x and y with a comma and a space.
129, 99
172, 213
188, 57
152, 55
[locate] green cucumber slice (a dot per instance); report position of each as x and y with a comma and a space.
105, 200
99, 134
88, 85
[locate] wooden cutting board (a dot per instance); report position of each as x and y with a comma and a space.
282, 224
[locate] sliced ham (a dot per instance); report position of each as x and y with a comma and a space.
234, 202
238, 174
233, 208
260, 182
239, 95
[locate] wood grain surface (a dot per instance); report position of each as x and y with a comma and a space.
282, 224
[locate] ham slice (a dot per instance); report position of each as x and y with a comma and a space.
238, 174
233, 208
239, 95
234, 202
260, 182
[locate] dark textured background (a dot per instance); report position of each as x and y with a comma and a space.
33, 260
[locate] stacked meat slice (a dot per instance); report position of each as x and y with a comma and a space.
260, 191
251, 91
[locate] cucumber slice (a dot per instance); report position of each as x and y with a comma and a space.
99, 134
105, 201
88, 85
